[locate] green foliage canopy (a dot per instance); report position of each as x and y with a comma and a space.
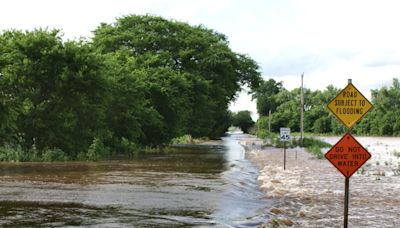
140, 82
206, 73
51, 90
383, 119
265, 95
243, 120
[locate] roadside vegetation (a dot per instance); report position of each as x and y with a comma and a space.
188, 139
139, 83
312, 145
242, 120
144, 82
278, 107
284, 106
315, 146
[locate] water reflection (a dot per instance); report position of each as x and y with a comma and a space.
191, 185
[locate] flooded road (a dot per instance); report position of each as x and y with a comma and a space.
205, 185
310, 191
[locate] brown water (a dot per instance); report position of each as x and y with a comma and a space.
190, 186
310, 192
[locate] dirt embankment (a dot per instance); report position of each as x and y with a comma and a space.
310, 192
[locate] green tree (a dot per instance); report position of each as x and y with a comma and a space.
285, 107
56, 90
243, 120
383, 119
287, 113
265, 95
317, 117
199, 56
141, 82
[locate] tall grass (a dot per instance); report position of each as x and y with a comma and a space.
315, 146
10, 153
312, 145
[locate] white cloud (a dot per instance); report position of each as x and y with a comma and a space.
329, 41
243, 103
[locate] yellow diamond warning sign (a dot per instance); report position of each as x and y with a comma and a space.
349, 105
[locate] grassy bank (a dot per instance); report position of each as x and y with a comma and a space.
315, 146
97, 151
188, 139
311, 144
10, 153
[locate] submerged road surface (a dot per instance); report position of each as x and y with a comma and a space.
204, 185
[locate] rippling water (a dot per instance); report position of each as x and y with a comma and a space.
190, 186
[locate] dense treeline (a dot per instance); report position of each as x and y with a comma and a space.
242, 120
383, 119
140, 81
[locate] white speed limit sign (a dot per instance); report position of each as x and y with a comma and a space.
285, 134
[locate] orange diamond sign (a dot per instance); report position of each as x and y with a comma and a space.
349, 105
347, 155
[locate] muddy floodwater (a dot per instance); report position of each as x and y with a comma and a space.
310, 191
204, 185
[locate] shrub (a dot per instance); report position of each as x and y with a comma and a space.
312, 145
184, 139
129, 146
308, 142
315, 146
315, 150
12, 153
97, 150
54, 155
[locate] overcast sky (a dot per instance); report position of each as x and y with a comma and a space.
330, 41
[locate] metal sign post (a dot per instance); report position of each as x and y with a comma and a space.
285, 136
284, 155
348, 155
346, 202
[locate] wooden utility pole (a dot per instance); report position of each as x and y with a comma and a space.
301, 111
269, 121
